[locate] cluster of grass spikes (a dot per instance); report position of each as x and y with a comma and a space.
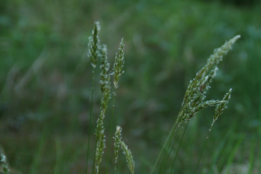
193, 102
97, 51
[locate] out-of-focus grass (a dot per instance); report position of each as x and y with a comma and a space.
45, 79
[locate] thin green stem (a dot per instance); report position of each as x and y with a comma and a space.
178, 148
167, 156
252, 157
168, 140
93, 165
202, 152
163, 162
90, 124
165, 159
58, 156
112, 118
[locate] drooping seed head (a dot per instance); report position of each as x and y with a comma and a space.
222, 106
214, 59
196, 92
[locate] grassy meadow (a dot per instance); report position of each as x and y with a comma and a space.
46, 82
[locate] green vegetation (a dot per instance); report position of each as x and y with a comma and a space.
46, 77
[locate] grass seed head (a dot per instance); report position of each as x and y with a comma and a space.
118, 65
196, 92
105, 88
222, 106
129, 158
105, 76
93, 45
117, 142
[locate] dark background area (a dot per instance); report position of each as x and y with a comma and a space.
45, 82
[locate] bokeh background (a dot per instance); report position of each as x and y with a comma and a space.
45, 82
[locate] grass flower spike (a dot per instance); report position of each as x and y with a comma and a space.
93, 54
221, 107
118, 65
196, 91
117, 72
105, 88
129, 158
194, 99
105, 76
117, 143
93, 45
126, 151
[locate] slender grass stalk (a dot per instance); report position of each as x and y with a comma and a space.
218, 111
58, 156
90, 124
178, 148
93, 165
93, 54
202, 152
233, 153
167, 141
219, 149
259, 113
225, 152
169, 150
252, 157
112, 119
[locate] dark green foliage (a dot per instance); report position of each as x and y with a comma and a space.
237, 3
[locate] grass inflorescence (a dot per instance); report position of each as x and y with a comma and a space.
93, 54
195, 95
193, 102
96, 51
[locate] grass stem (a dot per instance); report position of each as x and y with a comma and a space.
202, 152
168, 140
90, 125
178, 148
170, 150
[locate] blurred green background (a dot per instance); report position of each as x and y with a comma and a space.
45, 82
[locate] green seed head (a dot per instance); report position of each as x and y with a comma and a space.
93, 45
118, 65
